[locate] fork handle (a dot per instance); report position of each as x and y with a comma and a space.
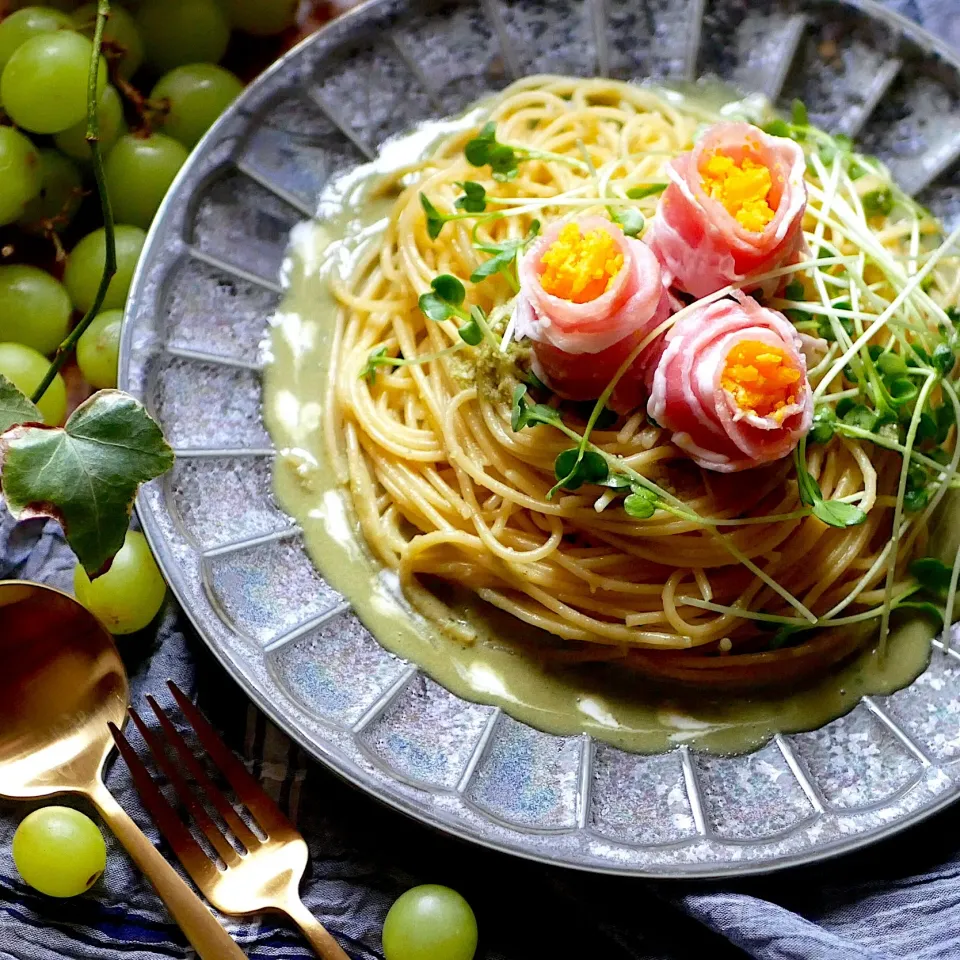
316, 933
201, 927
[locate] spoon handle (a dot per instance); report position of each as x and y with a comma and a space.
201, 927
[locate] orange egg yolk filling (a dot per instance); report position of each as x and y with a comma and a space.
580, 267
743, 189
762, 379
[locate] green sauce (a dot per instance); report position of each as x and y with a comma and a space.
610, 703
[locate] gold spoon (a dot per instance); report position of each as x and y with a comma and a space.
61, 683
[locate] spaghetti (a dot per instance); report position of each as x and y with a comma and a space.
453, 449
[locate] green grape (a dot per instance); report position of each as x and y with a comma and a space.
197, 94
85, 267
35, 308
24, 367
430, 923
262, 17
26, 23
59, 851
129, 595
98, 350
139, 172
20, 174
176, 32
120, 34
60, 196
44, 84
73, 140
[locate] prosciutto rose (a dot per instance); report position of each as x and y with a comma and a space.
733, 209
732, 385
588, 296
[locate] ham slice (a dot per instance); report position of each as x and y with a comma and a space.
578, 347
688, 398
700, 244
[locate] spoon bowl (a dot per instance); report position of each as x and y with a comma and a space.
61, 684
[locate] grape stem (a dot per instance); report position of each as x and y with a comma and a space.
110, 261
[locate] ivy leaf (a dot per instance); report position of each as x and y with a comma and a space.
86, 473
836, 513
573, 468
15, 407
648, 190
435, 219
932, 574
529, 414
631, 221
474, 199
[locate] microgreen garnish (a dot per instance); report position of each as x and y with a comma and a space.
575, 467
932, 574
504, 160
435, 219
798, 110
834, 513
526, 414
631, 221
445, 300
641, 504
878, 202
474, 199
824, 426
503, 256
647, 190
379, 358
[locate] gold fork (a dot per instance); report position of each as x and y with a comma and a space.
267, 875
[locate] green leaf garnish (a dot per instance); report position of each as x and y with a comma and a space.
836, 513
915, 500
943, 359
484, 150
648, 190
799, 114
15, 407
860, 416
631, 221
902, 390
891, 364
932, 574
435, 219
785, 635
641, 504
877, 202
378, 358
86, 473
824, 425
777, 128
526, 414
925, 607
574, 467
471, 332
445, 298
794, 290
503, 256
474, 199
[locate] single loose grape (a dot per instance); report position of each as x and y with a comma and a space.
139, 171
120, 35
60, 196
35, 308
44, 84
59, 851
85, 267
176, 32
430, 923
21, 25
262, 18
129, 595
98, 350
73, 140
20, 174
196, 95
24, 367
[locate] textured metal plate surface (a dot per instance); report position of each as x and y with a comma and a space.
208, 283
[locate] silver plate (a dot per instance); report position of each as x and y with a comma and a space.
207, 284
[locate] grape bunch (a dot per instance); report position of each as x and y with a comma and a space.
160, 87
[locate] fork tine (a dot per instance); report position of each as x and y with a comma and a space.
243, 833
251, 794
204, 821
181, 841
